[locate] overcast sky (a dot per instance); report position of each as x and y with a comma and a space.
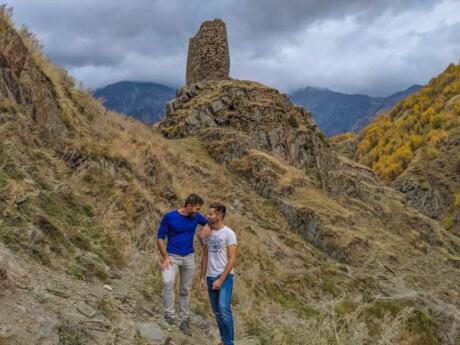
375, 47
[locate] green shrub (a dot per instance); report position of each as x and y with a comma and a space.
293, 121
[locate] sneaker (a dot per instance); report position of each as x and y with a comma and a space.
171, 320
185, 327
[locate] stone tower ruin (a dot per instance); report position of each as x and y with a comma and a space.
208, 55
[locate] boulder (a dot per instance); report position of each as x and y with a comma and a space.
152, 333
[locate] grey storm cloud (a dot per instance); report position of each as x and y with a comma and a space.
364, 46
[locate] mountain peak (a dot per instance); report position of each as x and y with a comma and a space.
144, 101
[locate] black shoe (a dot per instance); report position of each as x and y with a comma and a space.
185, 327
171, 320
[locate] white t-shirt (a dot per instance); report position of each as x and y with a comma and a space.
217, 244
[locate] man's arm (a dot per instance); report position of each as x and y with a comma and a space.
162, 233
162, 247
204, 266
205, 230
231, 252
167, 261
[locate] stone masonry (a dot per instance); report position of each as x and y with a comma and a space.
208, 55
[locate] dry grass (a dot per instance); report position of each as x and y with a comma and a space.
103, 189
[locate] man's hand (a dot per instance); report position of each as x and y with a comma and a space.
166, 263
217, 284
206, 232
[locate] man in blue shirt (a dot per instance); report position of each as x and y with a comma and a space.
179, 227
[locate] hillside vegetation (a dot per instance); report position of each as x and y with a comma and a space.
415, 147
419, 123
327, 253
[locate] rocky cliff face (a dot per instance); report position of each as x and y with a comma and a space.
23, 82
345, 144
267, 119
430, 183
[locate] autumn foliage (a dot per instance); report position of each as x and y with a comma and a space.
416, 125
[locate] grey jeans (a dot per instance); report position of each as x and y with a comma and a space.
185, 265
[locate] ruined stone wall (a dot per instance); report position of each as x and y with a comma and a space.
208, 55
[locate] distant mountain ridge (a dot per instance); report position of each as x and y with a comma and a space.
144, 101
337, 112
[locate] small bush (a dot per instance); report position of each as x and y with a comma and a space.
293, 121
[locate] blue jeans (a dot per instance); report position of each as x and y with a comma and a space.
221, 304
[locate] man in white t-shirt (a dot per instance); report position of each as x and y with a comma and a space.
217, 263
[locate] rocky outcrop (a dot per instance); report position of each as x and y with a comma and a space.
208, 55
13, 56
430, 183
23, 82
277, 147
345, 144
429, 196
253, 111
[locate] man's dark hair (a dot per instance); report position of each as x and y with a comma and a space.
219, 208
193, 199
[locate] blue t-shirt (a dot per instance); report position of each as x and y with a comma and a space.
180, 231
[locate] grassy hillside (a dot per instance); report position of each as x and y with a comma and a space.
328, 255
418, 140
421, 122
336, 205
